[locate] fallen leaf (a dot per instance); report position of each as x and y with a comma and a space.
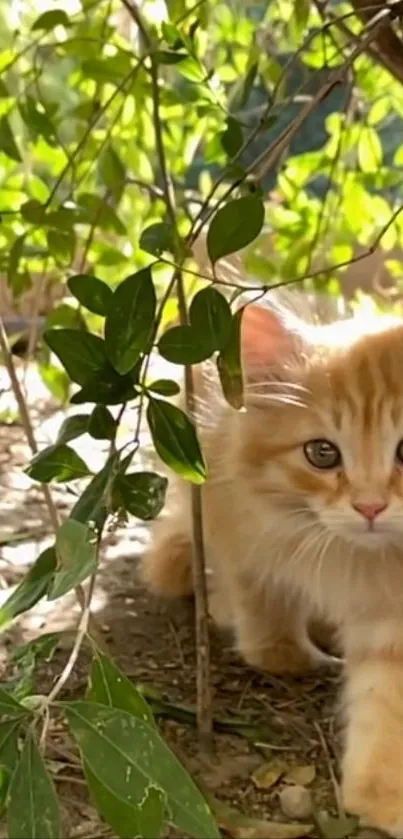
331, 827
267, 774
301, 775
238, 826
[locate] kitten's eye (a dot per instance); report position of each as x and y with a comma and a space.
399, 451
323, 454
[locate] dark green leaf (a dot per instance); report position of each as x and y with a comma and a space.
9, 742
157, 238
76, 557
234, 226
7, 141
96, 211
130, 321
175, 440
49, 20
33, 809
102, 425
247, 85
142, 494
33, 211
57, 463
232, 138
14, 258
81, 353
107, 388
9, 730
61, 244
10, 708
109, 686
182, 345
145, 819
170, 56
302, 9
210, 318
229, 364
112, 172
92, 505
34, 586
129, 757
73, 427
165, 387
92, 293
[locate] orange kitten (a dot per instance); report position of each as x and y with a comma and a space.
303, 516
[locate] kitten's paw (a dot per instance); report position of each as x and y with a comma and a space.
287, 657
166, 568
376, 797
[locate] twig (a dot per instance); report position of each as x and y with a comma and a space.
335, 784
204, 700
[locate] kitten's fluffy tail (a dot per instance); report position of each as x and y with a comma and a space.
166, 568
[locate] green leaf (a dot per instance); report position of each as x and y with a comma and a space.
30, 590
170, 56
73, 427
7, 141
61, 244
82, 354
229, 364
210, 318
109, 686
157, 238
92, 293
9, 730
142, 494
145, 820
112, 172
234, 226
130, 321
10, 708
102, 425
175, 440
16, 253
105, 389
181, 345
129, 757
302, 9
232, 137
33, 809
49, 20
165, 387
9, 742
92, 505
56, 380
370, 152
76, 557
33, 211
57, 463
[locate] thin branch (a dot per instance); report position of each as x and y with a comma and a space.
204, 701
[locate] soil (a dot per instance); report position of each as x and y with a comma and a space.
292, 722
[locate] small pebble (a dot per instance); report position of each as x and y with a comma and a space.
296, 802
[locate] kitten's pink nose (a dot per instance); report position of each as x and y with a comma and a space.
370, 511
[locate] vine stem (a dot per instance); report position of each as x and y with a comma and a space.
204, 697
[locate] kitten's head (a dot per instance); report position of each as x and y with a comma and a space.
324, 421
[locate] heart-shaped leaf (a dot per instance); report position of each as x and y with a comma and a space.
142, 494
57, 463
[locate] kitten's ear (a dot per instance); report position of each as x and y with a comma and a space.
267, 340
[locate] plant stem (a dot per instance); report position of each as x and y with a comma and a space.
204, 698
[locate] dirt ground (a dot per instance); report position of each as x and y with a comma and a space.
272, 725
